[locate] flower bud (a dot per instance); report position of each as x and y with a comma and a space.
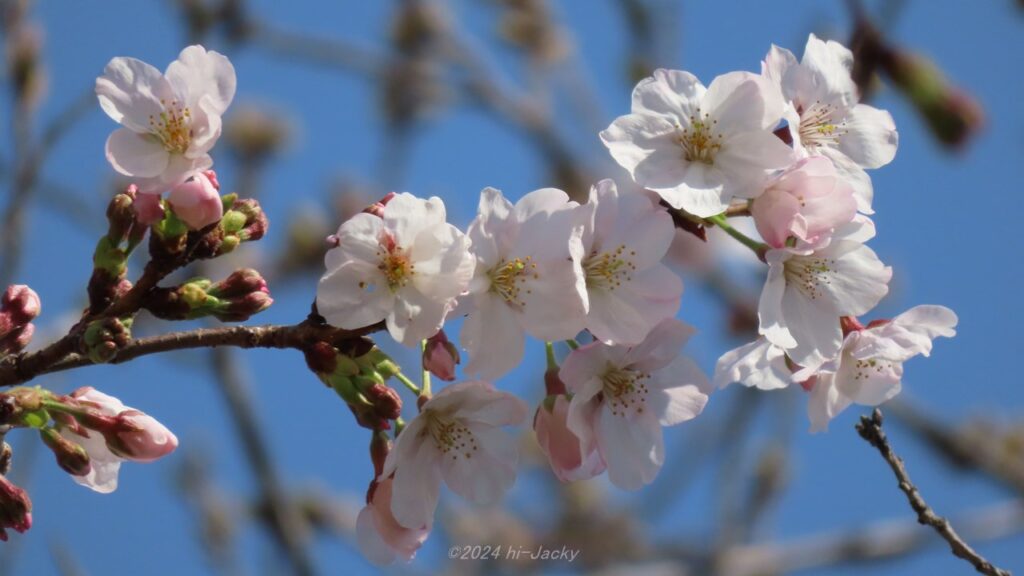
104, 337
15, 508
377, 208
71, 457
241, 295
17, 339
148, 209
140, 437
561, 446
21, 304
440, 357
196, 202
243, 221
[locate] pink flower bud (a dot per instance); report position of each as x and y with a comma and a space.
71, 457
440, 357
561, 445
21, 304
377, 208
196, 202
17, 339
140, 437
148, 210
807, 201
380, 537
15, 508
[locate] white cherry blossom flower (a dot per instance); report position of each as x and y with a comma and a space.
169, 121
629, 290
698, 148
406, 267
623, 396
528, 279
809, 286
824, 116
380, 537
869, 368
455, 437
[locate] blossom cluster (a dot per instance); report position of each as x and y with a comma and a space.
789, 147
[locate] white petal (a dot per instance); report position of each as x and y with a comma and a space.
633, 449
369, 539
482, 476
417, 486
480, 402
858, 281
825, 403
634, 138
628, 313
198, 73
758, 364
493, 338
769, 309
831, 63
669, 93
742, 102
678, 392
354, 295
407, 216
133, 154
414, 317
871, 138
130, 92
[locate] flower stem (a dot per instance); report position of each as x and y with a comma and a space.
426, 373
572, 344
408, 383
719, 220
552, 360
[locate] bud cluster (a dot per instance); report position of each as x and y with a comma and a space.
361, 381
234, 299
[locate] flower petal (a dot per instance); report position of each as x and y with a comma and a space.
132, 154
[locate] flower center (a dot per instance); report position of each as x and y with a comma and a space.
608, 270
394, 264
507, 278
173, 127
863, 368
809, 275
699, 141
451, 437
817, 126
625, 390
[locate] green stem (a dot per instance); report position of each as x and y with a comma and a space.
552, 360
408, 383
426, 373
720, 220
572, 344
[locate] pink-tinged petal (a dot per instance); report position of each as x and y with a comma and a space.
854, 175
206, 128
815, 326
742, 102
747, 157
700, 190
380, 537
148, 209
354, 295
869, 382
776, 215
482, 476
406, 446
492, 231
493, 338
871, 138
758, 364
858, 280
776, 64
368, 538
629, 220
554, 301
406, 216
860, 229
825, 403
668, 93
632, 448
628, 313
130, 91
661, 346
198, 73
447, 272
132, 154
480, 402
678, 392
414, 317
104, 464
179, 168
417, 485
582, 367
562, 446
196, 202
644, 144
907, 335
769, 309
106, 404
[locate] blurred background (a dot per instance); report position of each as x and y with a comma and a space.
340, 102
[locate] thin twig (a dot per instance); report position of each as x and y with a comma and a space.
870, 429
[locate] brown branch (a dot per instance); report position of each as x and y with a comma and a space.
870, 429
60, 356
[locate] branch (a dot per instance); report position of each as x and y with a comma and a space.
60, 357
870, 429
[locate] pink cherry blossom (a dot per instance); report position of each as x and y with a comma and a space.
196, 201
561, 446
169, 121
629, 290
380, 537
622, 396
528, 279
406, 268
699, 148
456, 437
807, 202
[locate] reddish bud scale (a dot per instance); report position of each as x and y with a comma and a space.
321, 358
15, 508
553, 385
71, 457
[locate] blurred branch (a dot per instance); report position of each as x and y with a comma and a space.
870, 429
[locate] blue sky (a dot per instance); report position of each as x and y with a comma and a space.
942, 219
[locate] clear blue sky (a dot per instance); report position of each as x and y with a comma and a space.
944, 224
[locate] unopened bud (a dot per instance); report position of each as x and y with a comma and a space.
103, 338
140, 437
440, 357
196, 202
15, 508
377, 208
147, 207
17, 339
243, 221
71, 457
321, 358
21, 304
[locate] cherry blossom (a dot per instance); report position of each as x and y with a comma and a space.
196, 201
132, 435
380, 537
699, 148
455, 437
809, 286
759, 364
824, 116
629, 290
869, 368
406, 267
807, 202
561, 446
622, 396
169, 121
528, 280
